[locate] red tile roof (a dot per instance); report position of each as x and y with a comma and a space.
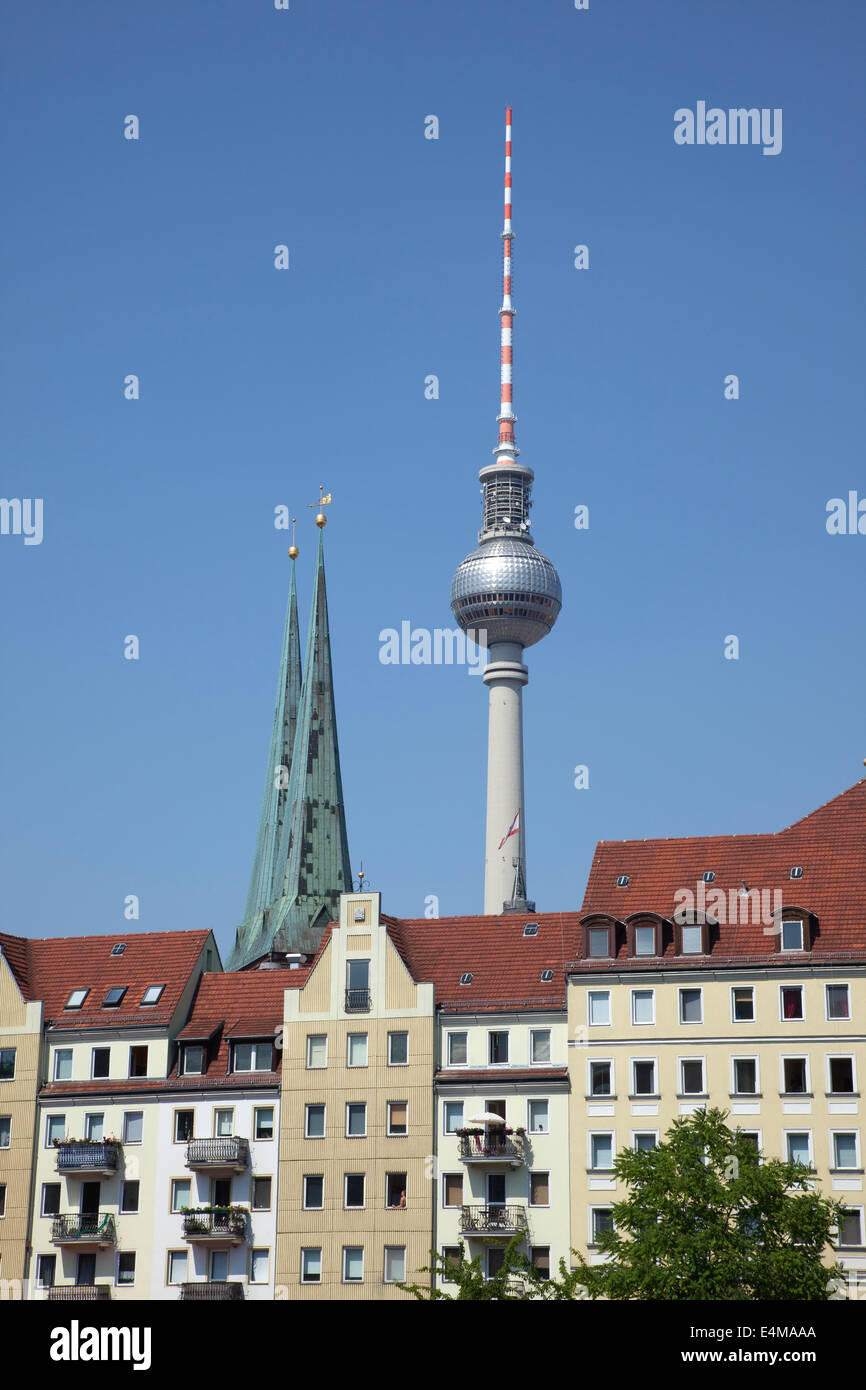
502, 1075
829, 845
236, 1005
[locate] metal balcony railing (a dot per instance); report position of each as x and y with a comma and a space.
79, 1293
218, 1153
96, 1228
215, 1225
357, 1001
87, 1158
493, 1220
486, 1148
214, 1291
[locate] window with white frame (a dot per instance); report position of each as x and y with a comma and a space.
353, 1264
791, 1002
457, 1049
129, 1194
840, 1075
850, 1228
644, 1076
50, 1199
497, 1047
845, 1149
357, 1050
311, 1264
353, 1190
181, 1192
223, 1124
314, 1191
691, 940
538, 1116
838, 1002
601, 1151
601, 1078
177, 1266
126, 1267
398, 1049
63, 1064
795, 1076
5, 1131
539, 1189
691, 1076
644, 1139
356, 1119
394, 1264
643, 1006
598, 940
452, 1112
260, 1260
317, 1050
398, 1117
600, 1222
743, 1003
100, 1063
792, 936
452, 1189
252, 1056
798, 1147
94, 1128
744, 1078
539, 1045
261, 1194
598, 1006
263, 1122
644, 941
691, 1006
133, 1126
46, 1271
314, 1123
55, 1130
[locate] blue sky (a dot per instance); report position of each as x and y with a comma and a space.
707, 516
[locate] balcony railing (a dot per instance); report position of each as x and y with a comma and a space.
215, 1291
357, 1001
88, 1158
215, 1227
488, 1149
92, 1228
79, 1293
233, 1154
493, 1220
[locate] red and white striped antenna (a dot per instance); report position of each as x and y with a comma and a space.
506, 451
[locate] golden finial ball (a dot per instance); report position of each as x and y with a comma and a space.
293, 552
321, 520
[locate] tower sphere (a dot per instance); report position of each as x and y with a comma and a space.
507, 589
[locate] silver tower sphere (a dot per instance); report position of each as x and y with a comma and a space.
506, 591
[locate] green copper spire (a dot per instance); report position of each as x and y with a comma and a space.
304, 858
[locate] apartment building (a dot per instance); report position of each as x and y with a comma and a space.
727, 972
20, 1072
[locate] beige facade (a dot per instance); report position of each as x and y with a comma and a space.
781, 1049
356, 1189
20, 1053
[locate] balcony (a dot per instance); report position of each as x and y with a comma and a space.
490, 1149
218, 1155
357, 1001
91, 1229
214, 1291
218, 1226
79, 1293
82, 1158
492, 1222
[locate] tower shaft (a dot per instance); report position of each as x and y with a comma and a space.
505, 858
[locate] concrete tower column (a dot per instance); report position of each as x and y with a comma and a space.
505, 676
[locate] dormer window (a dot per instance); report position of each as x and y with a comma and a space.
598, 942
792, 935
193, 1059
76, 998
114, 997
644, 941
252, 1056
692, 938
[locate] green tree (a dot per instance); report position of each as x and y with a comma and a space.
517, 1280
704, 1218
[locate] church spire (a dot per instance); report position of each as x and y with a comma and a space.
310, 860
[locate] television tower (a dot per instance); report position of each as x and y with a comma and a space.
506, 596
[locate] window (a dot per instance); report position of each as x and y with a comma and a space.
539, 1189
531, 929
452, 1189
644, 1078
752, 1137
692, 1076
94, 1128
357, 1050
539, 1258
395, 1264
353, 1264
598, 940
645, 941
114, 997
845, 1149
152, 994
497, 1045
133, 1124
177, 1266
546, 977
100, 1062
795, 1076
539, 1045
601, 1151
691, 1006
263, 1122
223, 1124
138, 1061
353, 1190
538, 1116
841, 1071
452, 1112
50, 1199
193, 1059
314, 1191
55, 1130
622, 881
709, 876
850, 1229
691, 940
248, 1056
181, 1193
743, 1004
451, 1256
62, 1063
643, 1008
46, 1266
311, 1265
398, 1117
259, 1266
601, 1221
126, 1267
317, 1049
745, 1076
792, 1001
792, 936
495, 1261
261, 1194
184, 1126
457, 1049
466, 977
599, 1005
77, 998
398, 1050
600, 1078
5, 1131
395, 1189
838, 1005
644, 1140
356, 1119
118, 948
799, 1147
2, 1199
314, 1127
129, 1195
